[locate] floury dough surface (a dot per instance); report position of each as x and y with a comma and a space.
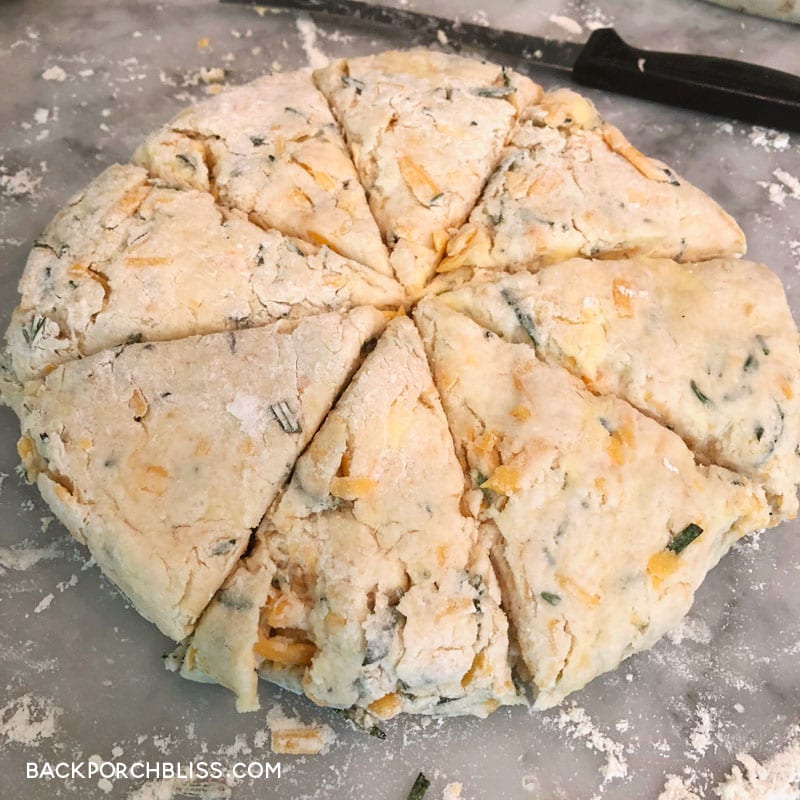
728, 679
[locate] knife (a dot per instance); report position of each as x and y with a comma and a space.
747, 92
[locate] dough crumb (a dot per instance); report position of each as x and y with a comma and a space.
54, 74
290, 736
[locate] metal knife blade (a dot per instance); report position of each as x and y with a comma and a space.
735, 89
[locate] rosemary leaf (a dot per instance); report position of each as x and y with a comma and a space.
495, 91
285, 417
704, 399
682, 540
523, 317
550, 598
187, 160
419, 788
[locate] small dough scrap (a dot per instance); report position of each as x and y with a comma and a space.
426, 130
604, 524
272, 149
710, 350
163, 457
132, 260
382, 596
571, 185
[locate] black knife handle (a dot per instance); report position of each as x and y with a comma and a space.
717, 85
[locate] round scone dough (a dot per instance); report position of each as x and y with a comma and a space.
230, 390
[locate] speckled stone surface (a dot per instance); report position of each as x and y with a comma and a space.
81, 673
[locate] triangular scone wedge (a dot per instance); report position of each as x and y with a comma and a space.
709, 350
132, 260
163, 457
272, 149
426, 130
605, 525
571, 185
376, 591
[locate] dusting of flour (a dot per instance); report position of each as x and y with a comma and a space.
574, 721
777, 778
28, 720
308, 39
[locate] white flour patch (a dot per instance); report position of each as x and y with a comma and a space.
790, 182
693, 630
702, 735
308, 40
676, 789
776, 192
250, 413
22, 556
54, 74
62, 586
566, 23
768, 139
20, 183
41, 115
794, 247
43, 604
27, 720
594, 18
777, 778
575, 722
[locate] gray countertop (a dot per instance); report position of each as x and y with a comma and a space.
81, 672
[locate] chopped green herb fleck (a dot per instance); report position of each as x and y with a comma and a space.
750, 364
480, 479
759, 432
552, 599
682, 540
775, 438
285, 417
671, 179
448, 93
186, 160
358, 85
257, 140
222, 548
260, 256
523, 317
763, 344
419, 788
360, 719
495, 91
435, 199
134, 338
704, 399
33, 329
235, 601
